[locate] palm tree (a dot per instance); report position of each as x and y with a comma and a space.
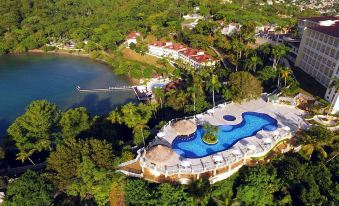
253, 62
141, 127
285, 72
192, 90
315, 139
278, 52
26, 156
214, 85
334, 85
159, 93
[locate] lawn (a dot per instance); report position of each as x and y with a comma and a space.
147, 59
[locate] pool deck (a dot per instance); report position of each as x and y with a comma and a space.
285, 115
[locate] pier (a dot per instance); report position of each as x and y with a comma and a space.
109, 89
140, 92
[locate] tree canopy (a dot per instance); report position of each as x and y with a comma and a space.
36, 129
29, 189
244, 86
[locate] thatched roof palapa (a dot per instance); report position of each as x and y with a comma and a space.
159, 154
184, 127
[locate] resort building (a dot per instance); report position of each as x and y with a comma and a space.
318, 53
246, 134
230, 29
132, 38
193, 57
304, 23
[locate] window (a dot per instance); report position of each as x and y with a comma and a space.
325, 39
316, 35
321, 37
336, 44
332, 53
327, 51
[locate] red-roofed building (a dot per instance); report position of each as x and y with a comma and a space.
158, 48
172, 51
193, 57
132, 38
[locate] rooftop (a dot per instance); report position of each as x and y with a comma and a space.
133, 35
332, 30
320, 18
202, 58
176, 47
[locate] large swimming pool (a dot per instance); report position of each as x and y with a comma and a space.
228, 135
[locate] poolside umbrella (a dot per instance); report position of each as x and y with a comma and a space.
199, 116
286, 128
184, 127
161, 134
210, 111
251, 147
267, 140
185, 163
236, 152
221, 105
276, 132
159, 154
217, 158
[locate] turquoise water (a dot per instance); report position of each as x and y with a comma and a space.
227, 135
30, 77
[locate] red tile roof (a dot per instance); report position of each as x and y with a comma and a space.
329, 30
133, 35
190, 52
158, 43
176, 47
202, 58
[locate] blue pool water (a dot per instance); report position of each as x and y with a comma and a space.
227, 135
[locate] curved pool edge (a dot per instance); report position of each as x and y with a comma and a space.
190, 154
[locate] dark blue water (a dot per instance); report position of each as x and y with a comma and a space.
227, 135
54, 77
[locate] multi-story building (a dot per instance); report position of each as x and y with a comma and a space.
315, 21
193, 57
318, 53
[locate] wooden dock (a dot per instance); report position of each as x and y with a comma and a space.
142, 96
109, 89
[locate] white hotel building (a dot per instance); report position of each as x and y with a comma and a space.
318, 54
193, 57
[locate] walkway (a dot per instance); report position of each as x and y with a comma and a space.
289, 120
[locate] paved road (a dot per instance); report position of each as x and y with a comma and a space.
220, 56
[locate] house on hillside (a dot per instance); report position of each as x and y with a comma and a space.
230, 29
132, 38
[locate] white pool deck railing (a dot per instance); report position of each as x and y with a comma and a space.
228, 158
262, 142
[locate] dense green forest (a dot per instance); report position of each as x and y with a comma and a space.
81, 152
27, 24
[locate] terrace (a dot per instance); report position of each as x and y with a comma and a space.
162, 161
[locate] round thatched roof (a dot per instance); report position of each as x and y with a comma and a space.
184, 127
159, 154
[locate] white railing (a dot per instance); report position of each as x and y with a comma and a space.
131, 174
210, 166
133, 160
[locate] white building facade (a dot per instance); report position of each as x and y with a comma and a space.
318, 55
193, 57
